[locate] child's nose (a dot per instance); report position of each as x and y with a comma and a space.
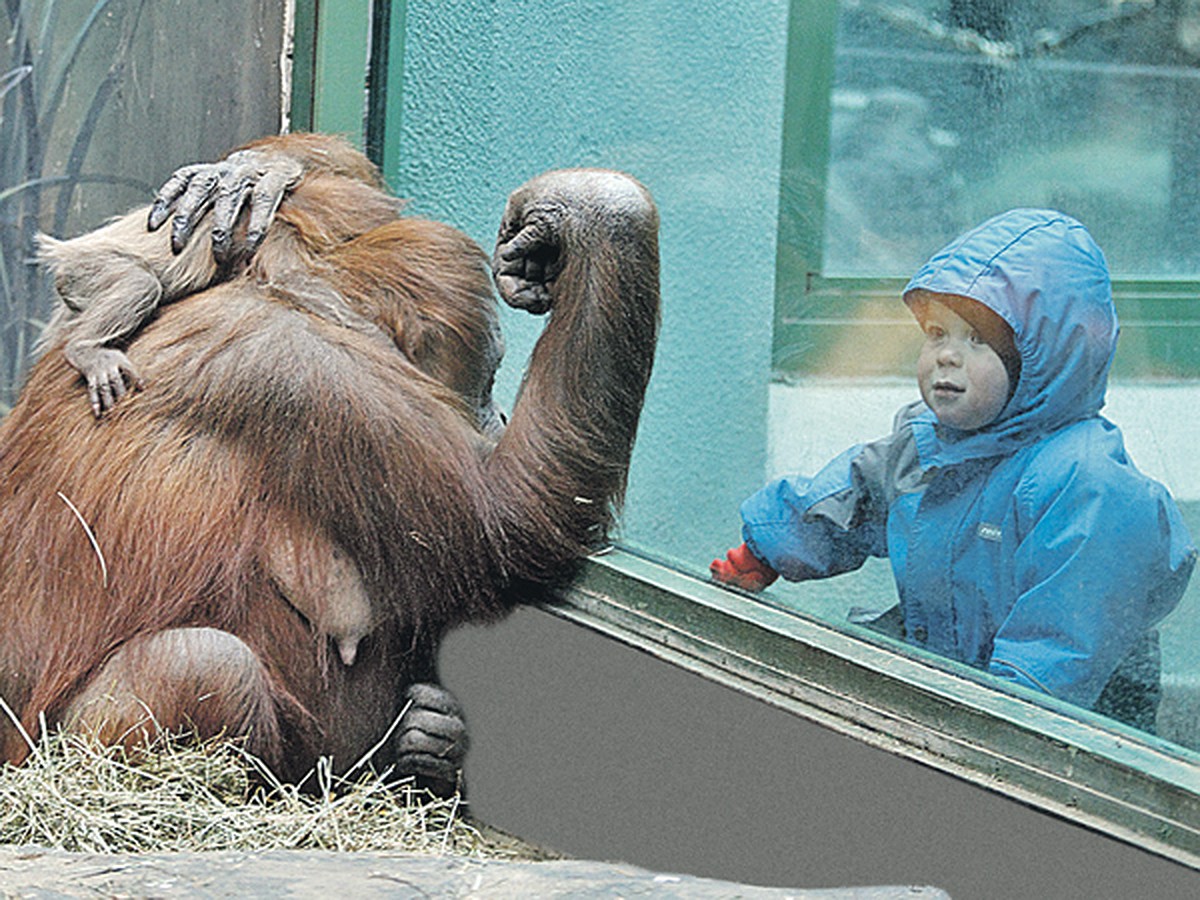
950, 353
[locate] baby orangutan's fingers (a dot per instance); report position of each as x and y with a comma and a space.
100, 394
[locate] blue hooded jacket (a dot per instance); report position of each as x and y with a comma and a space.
1031, 547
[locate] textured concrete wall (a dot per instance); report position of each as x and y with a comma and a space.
687, 97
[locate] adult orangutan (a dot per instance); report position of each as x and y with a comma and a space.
312, 463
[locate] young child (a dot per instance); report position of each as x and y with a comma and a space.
1022, 538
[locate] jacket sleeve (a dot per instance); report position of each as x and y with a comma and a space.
1102, 555
816, 527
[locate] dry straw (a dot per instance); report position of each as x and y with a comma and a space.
74, 794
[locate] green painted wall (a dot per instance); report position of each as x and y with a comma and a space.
687, 97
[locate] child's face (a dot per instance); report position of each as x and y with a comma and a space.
962, 379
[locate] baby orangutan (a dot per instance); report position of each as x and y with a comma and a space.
112, 280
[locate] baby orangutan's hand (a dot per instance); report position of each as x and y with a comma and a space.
109, 374
741, 568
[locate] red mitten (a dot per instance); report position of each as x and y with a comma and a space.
742, 569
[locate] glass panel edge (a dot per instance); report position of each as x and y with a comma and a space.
1103, 778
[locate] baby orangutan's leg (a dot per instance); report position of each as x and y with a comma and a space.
110, 281
202, 681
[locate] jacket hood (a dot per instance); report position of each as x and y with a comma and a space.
1042, 273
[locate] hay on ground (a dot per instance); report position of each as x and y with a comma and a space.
77, 795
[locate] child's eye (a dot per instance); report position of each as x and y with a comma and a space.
934, 332
976, 339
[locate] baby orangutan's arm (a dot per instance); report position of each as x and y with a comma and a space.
113, 279
110, 282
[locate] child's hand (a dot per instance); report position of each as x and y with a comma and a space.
741, 568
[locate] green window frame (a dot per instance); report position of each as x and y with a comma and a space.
1052, 756
341, 80
1161, 317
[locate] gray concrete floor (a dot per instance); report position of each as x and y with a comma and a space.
36, 873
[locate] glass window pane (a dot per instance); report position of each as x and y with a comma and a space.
943, 114
946, 111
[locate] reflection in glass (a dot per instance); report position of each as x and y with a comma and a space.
941, 115
1022, 538
945, 112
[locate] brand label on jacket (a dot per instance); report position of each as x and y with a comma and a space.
988, 531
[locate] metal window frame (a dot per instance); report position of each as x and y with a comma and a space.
810, 308
347, 72
1163, 316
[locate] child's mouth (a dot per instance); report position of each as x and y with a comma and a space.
947, 387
